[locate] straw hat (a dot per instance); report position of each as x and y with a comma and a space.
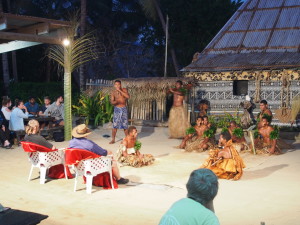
81, 131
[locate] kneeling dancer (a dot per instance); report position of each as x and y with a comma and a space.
129, 151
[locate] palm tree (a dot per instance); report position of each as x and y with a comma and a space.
71, 55
152, 10
83, 14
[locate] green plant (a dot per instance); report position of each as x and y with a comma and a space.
210, 132
190, 130
274, 135
224, 129
238, 132
137, 145
96, 107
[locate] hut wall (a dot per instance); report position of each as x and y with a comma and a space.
220, 94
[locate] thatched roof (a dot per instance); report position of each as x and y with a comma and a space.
152, 82
262, 34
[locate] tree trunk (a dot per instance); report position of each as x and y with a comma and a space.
82, 69
13, 53
14, 66
5, 73
163, 23
67, 96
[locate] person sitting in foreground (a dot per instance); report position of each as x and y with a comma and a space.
197, 208
32, 135
237, 136
56, 110
32, 106
80, 141
129, 151
225, 163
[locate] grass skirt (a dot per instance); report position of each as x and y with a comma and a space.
135, 161
178, 122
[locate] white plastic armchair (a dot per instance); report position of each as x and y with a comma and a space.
91, 168
88, 164
43, 158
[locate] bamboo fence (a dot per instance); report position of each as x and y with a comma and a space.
147, 95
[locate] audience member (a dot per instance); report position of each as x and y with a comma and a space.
32, 106
4, 133
80, 141
56, 110
6, 103
47, 103
17, 117
197, 208
32, 135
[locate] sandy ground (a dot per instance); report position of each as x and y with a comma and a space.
268, 191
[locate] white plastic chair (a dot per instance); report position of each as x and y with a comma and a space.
44, 160
91, 168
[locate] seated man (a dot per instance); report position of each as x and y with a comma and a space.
80, 141
237, 136
16, 122
197, 208
264, 112
225, 163
129, 152
266, 139
32, 106
195, 141
56, 110
47, 103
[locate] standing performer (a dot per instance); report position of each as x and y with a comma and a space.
118, 98
178, 122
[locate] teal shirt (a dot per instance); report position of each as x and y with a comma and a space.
189, 212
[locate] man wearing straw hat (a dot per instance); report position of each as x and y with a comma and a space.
118, 98
80, 141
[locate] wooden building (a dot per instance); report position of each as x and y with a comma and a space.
256, 53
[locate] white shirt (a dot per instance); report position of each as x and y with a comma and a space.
6, 113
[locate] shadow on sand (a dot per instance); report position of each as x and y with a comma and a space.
249, 175
146, 131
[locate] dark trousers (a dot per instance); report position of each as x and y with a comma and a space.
4, 135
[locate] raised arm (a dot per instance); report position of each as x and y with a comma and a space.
176, 92
124, 93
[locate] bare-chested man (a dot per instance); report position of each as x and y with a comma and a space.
129, 155
198, 142
264, 112
239, 142
206, 122
118, 98
264, 142
199, 127
178, 122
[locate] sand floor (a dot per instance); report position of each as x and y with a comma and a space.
268, 191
